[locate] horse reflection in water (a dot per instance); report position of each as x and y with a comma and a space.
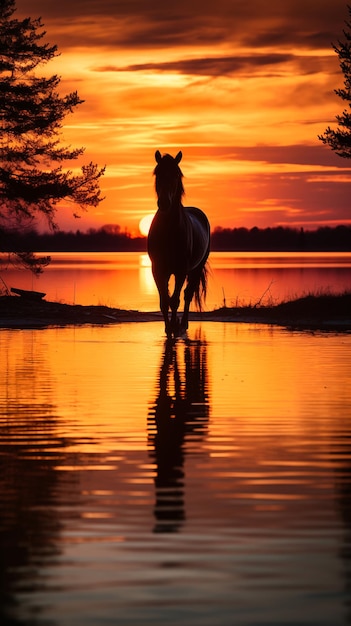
178, 244
179, 415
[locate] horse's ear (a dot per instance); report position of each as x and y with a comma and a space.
158, 156
179, 157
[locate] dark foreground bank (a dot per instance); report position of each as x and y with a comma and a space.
324, 312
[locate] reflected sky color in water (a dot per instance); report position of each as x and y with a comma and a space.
125, 280
201, 482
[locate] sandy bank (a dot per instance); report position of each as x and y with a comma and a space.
325, 312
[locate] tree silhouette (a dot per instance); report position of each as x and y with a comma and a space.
33, 179
340, 139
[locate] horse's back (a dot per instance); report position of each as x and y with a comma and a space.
197, 215
200, 233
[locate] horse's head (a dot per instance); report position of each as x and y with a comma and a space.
168, 183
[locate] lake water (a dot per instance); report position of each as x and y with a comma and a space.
124, 280
205, 482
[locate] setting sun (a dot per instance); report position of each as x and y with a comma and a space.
145, 224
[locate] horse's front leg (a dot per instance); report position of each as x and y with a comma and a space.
174, 302
164, 306
162, 287
187, 299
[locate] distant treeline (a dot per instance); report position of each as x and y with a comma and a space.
112, 239
105, 239
278, 239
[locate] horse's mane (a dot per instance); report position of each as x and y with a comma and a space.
169, 165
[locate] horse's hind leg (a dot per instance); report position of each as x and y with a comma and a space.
188, 296
192, 287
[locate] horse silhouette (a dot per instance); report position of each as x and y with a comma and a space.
178, 244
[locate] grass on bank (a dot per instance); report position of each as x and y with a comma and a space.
321, 307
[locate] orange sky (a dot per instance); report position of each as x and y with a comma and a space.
242, 87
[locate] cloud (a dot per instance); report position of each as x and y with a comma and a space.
225, 65
244, 87
299, 154
210, 66
156, 24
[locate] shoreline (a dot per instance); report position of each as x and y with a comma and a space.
321, 312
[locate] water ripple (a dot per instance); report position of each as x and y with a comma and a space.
201, 481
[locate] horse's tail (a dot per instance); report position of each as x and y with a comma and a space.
200, 290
